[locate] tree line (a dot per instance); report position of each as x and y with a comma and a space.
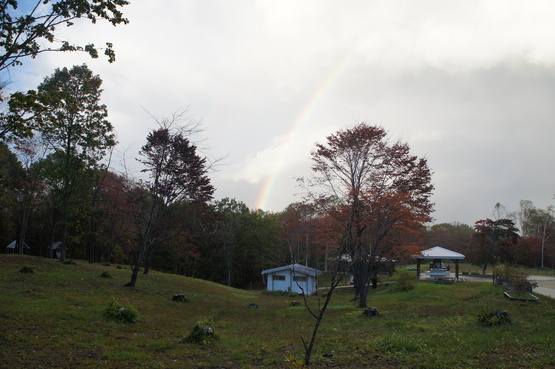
367, 203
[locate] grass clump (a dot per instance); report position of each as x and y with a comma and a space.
26, 270
202, 333
280, 293
105, 275
125, 314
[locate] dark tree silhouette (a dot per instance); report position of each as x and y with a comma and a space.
176, 173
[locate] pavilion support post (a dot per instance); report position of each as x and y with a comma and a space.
417, 269
457, 270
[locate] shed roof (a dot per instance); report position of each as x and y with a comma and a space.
55, 245
12, 245
296, 268
439, 253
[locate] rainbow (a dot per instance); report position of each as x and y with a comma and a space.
332, 77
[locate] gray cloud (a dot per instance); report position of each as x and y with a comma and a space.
468, 84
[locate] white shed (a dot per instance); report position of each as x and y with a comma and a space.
295, 278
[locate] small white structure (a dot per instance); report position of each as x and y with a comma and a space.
295, 278
437, 269
55, 250
11, 248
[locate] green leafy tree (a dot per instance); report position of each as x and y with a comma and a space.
453, 236
493, 241
74, 124
32, 30
231, 213
29, 187
10, 171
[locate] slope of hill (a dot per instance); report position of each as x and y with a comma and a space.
53, 318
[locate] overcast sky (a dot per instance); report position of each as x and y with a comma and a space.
470, 85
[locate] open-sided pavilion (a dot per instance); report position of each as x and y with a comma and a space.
436, 255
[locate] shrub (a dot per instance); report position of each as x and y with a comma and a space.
371, 311
125, 314
406, 281
26, 269
202, 333
513, 278
491, 318
106, 275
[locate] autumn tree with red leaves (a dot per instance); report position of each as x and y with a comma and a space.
376, 192
381, 192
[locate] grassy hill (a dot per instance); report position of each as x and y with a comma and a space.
53, 318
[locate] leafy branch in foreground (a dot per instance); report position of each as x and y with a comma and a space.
23, 33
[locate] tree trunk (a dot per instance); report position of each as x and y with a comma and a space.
63, 252
137, 264
308, 349
92, 238
22, 228
149, 256
374, 281
360, 280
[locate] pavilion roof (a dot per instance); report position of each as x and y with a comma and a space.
439, 252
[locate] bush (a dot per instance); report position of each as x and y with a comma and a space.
370, 312
202, 333
125, 314
406, 281
106, 275
26, 269
512, 278
491, 318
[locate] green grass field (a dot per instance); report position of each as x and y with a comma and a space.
53, 318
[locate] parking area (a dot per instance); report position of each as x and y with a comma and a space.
546, 284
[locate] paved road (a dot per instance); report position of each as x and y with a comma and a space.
546, 284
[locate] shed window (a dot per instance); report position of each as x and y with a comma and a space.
278, 277
299, 278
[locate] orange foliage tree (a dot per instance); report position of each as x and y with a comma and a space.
377, 192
